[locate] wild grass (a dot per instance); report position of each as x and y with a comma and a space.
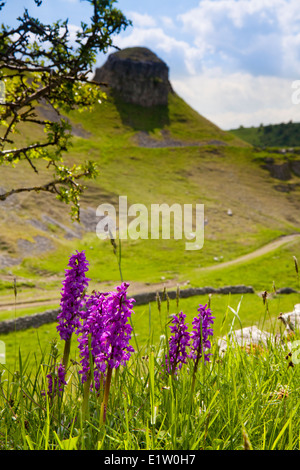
245, 398
242, 399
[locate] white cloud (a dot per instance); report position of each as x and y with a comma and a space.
208, 12
158, 41
151, 37
258, 36
141, 20
73, 29
239, 99
167, 22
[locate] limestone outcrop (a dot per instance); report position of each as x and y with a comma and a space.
253, 338
137, 76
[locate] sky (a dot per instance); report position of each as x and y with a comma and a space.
233, 61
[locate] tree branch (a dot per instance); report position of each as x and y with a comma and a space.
39, 63
48, 187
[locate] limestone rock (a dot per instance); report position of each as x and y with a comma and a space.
286, 290
245, 337
137, 75
295, 164
291, 320
281, 171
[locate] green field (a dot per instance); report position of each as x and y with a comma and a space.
149, 323
203, 171
241, 400
187, 159
163, 155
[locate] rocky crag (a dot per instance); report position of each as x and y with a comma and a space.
137, 76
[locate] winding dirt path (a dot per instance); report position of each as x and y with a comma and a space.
256, 253
144, 287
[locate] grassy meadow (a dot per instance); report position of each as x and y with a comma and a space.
213, 168
168, 155
241, 400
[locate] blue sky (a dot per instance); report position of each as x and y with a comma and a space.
234, 61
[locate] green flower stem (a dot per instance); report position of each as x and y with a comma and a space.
66, 355
106, 395
199, 355
86, 393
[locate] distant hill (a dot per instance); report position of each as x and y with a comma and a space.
272, 135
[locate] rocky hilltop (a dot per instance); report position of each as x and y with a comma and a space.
137, 75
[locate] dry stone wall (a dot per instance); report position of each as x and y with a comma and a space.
50, 316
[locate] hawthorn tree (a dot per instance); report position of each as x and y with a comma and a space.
40, 63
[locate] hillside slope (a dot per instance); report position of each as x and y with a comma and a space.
164, 154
